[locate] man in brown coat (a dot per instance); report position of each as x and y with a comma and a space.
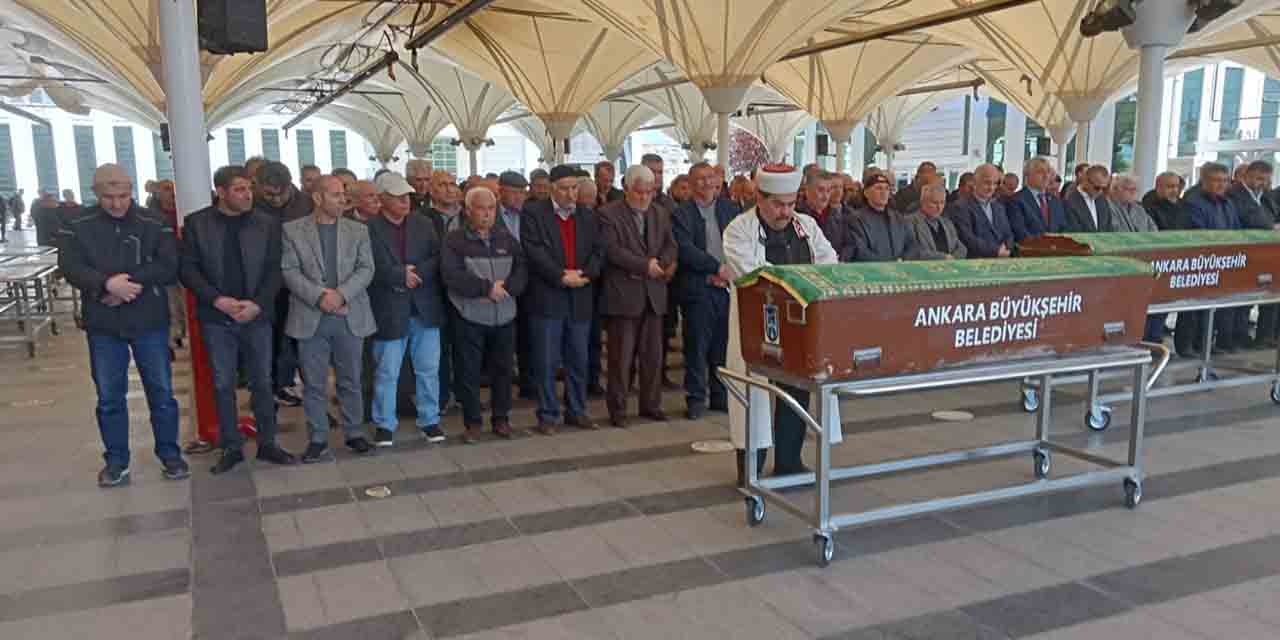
640, 261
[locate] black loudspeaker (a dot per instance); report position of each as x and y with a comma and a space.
566, 146
1043, 146
232, 26
823, 143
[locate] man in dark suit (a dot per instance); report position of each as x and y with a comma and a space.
1257, 211
1035, 210
1209, 208
909, 198
641, 260
702, 289
605, 191
820, 204
1077, 176
565, 256
980, 219
409, 308
1087, 208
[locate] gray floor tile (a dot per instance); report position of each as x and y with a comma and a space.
308, 500
489, 612
90, 595
634, 584
329, 556
165, 618
399, 625
1055, 607
573, 517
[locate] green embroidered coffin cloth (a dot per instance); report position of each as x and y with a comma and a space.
811, 283
1112, 243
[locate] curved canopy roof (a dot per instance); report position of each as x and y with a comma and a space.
612, 121
718, 43
840, 87
558, 65
559, 58
774, 129
684, 103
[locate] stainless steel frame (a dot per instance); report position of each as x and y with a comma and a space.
827, 397
1208, 376
28, 296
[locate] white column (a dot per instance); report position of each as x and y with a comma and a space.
1082, 142
144, 158
64, 141
1102, 135
184, 104
1168, 126
1015, 140
722, 139
810, 144
24, 157
1157, 27
857, 150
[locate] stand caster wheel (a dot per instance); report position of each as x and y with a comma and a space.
1043, 462
1098, 419
1030, 400
826, 548
1275, 393
755, 510
1132, 493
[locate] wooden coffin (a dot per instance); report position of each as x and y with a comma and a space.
1189, 265
865, 320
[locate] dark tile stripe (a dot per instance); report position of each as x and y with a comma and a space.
95, 594
500, 610
296, 561
392, 626
82, 531
1063, 605
234, 593
305, 500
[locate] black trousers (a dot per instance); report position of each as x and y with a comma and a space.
479, 348
706, 344
1268, 322
524, 350
788, 432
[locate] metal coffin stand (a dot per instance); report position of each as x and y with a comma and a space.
828, 395
1208, 377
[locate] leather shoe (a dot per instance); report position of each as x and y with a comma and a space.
275, 455
582, 422
595, 390
695, 412
503, 429
545, 428
472, 434
656, 416
618, 421
227, 461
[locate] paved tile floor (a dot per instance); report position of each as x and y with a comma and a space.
630, 534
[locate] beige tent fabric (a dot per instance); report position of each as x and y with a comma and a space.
611, 122
558, 65
717, 43
846, 84
1263, 28
383, 136
684, 104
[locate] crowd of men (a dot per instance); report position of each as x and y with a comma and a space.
517, 282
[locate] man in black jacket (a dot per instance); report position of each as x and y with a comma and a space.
565, 255
409, 308
1162, 203
231, 263
1257, 211
280, 199
121, 260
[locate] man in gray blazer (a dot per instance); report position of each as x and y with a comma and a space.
327, 265
936, 236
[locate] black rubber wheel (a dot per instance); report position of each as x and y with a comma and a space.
826, 548
1275, 393
1030, 400
1043, 462
1098, 420
1132, 493
755, 510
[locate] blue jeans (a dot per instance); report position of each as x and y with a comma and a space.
423, 346
109, 363
229, 345
557, 342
